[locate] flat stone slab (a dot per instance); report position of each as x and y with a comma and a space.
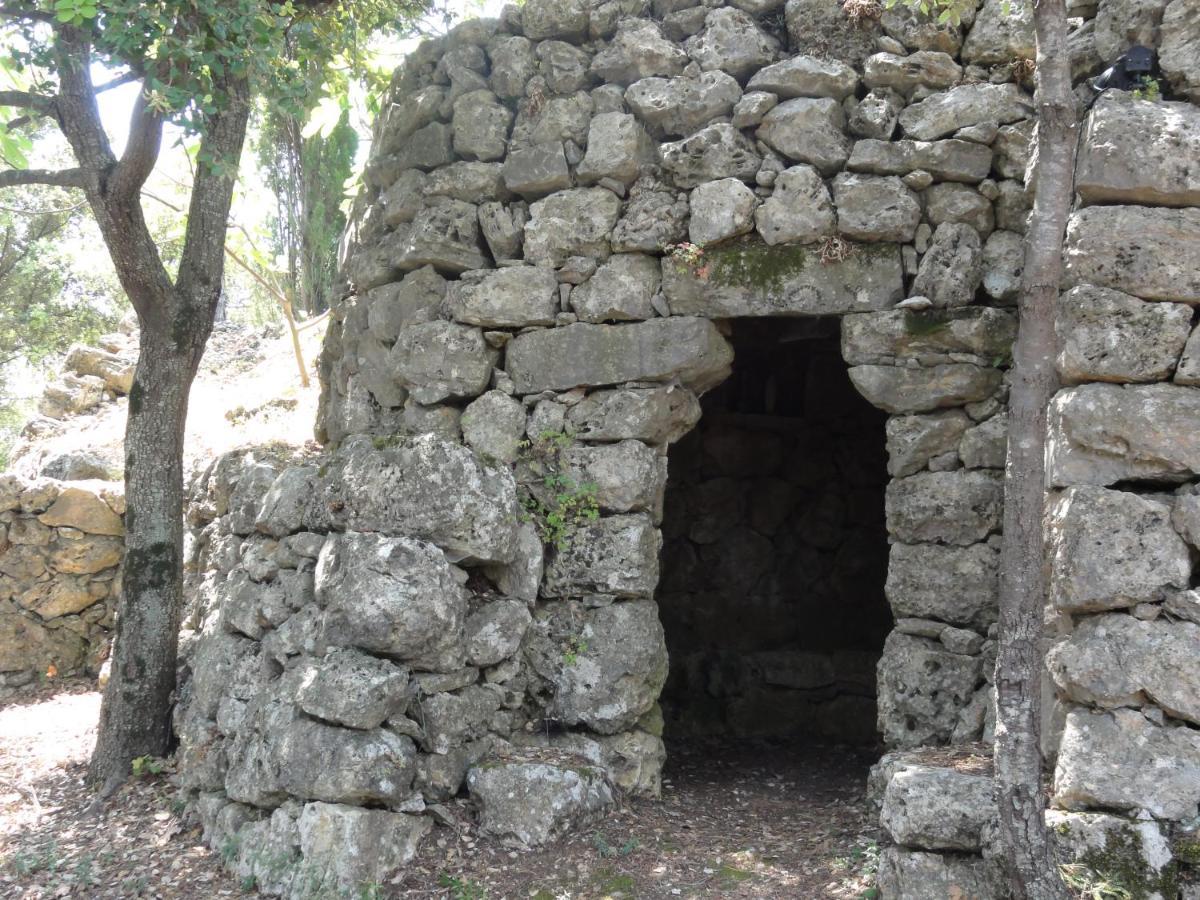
1149, 252
753, 279
684, 348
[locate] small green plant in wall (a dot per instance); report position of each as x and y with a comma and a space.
555, 503
575, 645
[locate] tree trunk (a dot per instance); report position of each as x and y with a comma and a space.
1032, 869
135, 716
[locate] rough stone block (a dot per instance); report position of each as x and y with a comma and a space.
532, 803
1149, 252
922, 688
931, 337
959, 585
903, 390
959, 507
616, 556
927, 808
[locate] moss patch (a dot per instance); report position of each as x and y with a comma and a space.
1122, 868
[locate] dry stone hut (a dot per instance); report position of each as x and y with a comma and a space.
583, 483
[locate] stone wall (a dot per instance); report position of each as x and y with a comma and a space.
775, 553
461, 591
60, 553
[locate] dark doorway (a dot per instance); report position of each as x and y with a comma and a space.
775, 553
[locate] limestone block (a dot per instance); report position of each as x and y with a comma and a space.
817, 27
732, 42
875, 116
1003, 265
1002, 33
932, 336
413, 301
1102, 434
986, 445
513, 64
282, 509
512, 297
618, 148
533, 803
904, 390
616, 555
1122, 23
628, 476
717, 151
439, 360
808, 130
494, 425
949, 160
1112, 549
116, 372
537, 170
658, 415
922, 687
481, 125
638, 50
914, 440
28, 645
1135, 845
927, 808
351, 688
564, 19
414, 111
621, 290
1117, 660
922, 31
925, 68
688, 349
1148, 252
952, 268
806, 76
83, 510
349, 846
799, 210
451, 720
682, 106
494, 633
959, 585
394, 596
964, 106
569, 223
557, 119
445, 236
1160, 168
721, 209
916, 875
875, 208
564, 67
958, 508
751, 278
1120, 760
1105, 335
1179, 53
521, 577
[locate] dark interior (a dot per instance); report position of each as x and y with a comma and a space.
775, 554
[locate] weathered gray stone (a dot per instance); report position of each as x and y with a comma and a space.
564, 67
749, 111
1150, 253
481, 124
799, 211
618, 148
494, 633
986, 445
400, 120
621, 290
959, 585
720, 210
532, 803
1122, 23
732, 42
931, 337
821, 28
1002, 32
905, 390
616, 556
350, 847
1179, 53
915, 875
926, 68
413, 301
1102, 434
1112, 549
1119, 760
952, 268
556, 119
628, 476
959, 203
393, 596
1105, 335
350, 688
717, 151
637, 51
658, 415
949, 160
437, 360
681, 106
922, 687
806, 76
1117, 660
513, 65
445, 236
571, 223
753, 279
503, 228
918, 30
876, 115
927, 808
963, 106
1188, 372
1137, 846
808, 130
537, 170
452, 719
912, 441
513, 297
1158, 169
494, 425
522, 577
875, 208
688, 349
1003, 265
565, 19
958, 508
425, 487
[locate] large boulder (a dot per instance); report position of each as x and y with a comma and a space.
1149, 252
1105, 433
531, 803
392, 596
1112, 549
1161, 167
1119, 760
425, 487
689, 350
1116, 660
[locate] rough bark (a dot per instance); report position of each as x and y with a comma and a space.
1033, 871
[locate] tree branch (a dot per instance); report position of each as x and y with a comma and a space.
66, 178
8, 11
27, 100
141, 149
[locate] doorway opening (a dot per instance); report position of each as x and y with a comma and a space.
775, 552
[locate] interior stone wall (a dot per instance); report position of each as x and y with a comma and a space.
523, 337
775, 552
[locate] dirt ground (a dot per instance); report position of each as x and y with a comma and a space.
762, 821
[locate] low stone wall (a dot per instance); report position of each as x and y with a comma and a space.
60, 555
